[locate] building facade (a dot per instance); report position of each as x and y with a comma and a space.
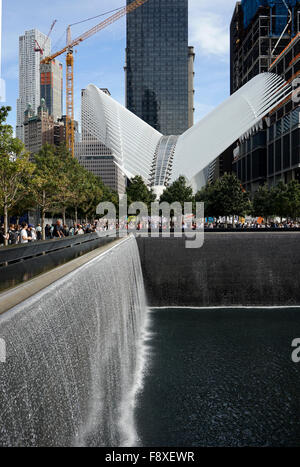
52, 87
94, 155
273, 153
29, 75
159, 66
267, 38
255, 30
40, 128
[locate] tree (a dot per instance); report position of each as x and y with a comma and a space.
280, 200
92, 194
225, 197
137, 191
262, 205
69, 183
206, 196
46, 181
178, 191
293, 194
15, 168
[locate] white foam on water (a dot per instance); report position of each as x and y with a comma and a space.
76, 356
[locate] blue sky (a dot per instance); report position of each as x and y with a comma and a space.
100, 59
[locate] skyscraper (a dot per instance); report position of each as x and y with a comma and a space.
29, 74
52, 87
159, 65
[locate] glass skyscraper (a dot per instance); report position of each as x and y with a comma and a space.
159, 71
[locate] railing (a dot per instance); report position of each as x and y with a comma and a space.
16, 253
19, 263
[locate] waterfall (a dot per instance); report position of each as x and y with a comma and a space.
75, 356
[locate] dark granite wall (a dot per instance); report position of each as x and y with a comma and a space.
259, 268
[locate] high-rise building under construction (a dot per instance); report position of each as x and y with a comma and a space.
52, 87
265, 36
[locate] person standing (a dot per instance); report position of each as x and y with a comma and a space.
3, 237
12, 235
58, 230
24, 234
38, 232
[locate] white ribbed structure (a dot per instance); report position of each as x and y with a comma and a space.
134, 143
206, 140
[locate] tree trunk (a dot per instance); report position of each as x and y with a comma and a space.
5, 224
64, 216
43, 217
76, 216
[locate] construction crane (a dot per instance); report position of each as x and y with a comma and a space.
70, 64
40, 49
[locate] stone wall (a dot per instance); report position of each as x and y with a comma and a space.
259, 268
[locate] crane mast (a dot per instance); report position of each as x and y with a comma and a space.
70, 133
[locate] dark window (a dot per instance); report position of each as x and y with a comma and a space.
271, 159
295, 146
278, 165
243, 174
286, 152
259, 163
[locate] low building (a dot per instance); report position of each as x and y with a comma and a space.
41, 128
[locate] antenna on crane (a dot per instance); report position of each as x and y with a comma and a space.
40, 49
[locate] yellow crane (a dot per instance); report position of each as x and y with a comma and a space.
70, 64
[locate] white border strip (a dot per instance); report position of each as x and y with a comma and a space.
233, 307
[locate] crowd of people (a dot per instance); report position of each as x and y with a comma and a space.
28, 233
254, 225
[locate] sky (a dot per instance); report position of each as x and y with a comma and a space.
100, 59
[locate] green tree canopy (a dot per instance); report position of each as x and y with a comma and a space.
137, 191
178, 191
225, 197
15, 168
47, 181
262, 205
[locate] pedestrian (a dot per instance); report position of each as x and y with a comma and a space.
65, 230
13, 236
32, 233
58, 230
38, 232
24, 233
3, 236
48, 231
79, 230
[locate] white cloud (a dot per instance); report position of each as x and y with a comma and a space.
209, 26
209, 35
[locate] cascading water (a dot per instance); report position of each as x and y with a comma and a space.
74, 357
